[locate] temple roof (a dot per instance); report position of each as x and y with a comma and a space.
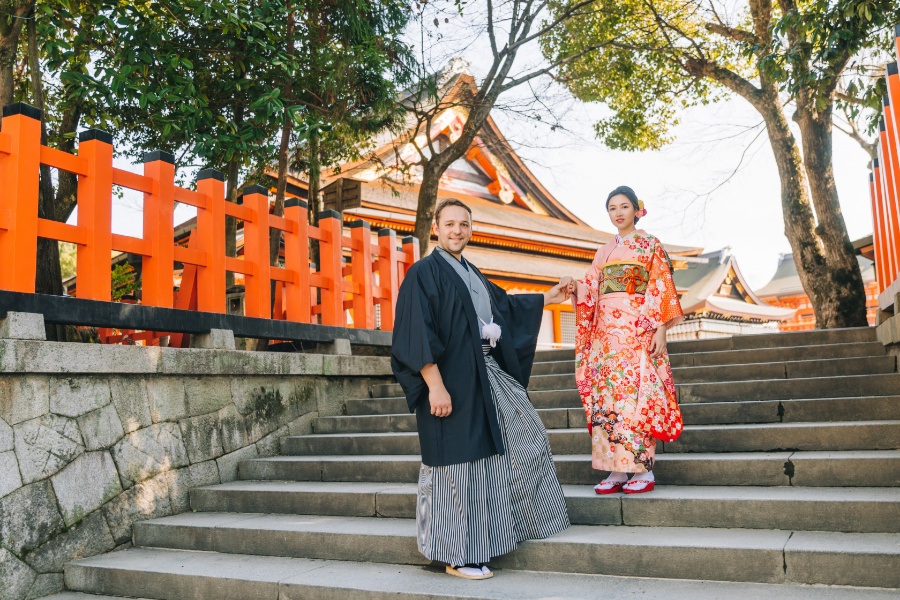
505, 195
786, 281
718, 286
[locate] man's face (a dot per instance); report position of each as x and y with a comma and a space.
453, 229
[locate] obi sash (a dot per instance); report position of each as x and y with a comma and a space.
623, 276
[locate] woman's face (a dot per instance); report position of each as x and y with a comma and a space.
621, 212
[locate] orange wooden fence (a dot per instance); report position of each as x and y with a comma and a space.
884, 185
371, 278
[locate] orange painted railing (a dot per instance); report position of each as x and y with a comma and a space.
884, 187
372, 277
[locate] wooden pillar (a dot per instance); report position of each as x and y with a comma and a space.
410, 252
257, 290
210, 234
296, 261
95, 216
388, 276
19, 177
361, 273
557, 326
877, 237
331, 267
159, 230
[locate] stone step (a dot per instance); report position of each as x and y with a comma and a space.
554, 391
798, 369
554, 355
397, 404
872, 408
196, 575
787, 389
859, 468
879, 435
862, 510
765, 556
733, 358
816, 337
777, 354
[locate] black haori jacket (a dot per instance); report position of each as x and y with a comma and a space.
436, 323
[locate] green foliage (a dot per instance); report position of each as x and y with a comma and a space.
67, 259
668, 55
124, 281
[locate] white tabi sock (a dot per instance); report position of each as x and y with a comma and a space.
648, 476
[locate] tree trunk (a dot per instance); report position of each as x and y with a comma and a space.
816, 274
13, 14
232, 171
312, 196
281, 185
428, 192
48, 279
842, 296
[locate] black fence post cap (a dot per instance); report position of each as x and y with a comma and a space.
329, 214
162, 155
409, 239
360, 223
210, 174
892, 68
289, 202
20, 108
875, 163
385, 232
95, 134
256, 189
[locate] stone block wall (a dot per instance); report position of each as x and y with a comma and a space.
94, 438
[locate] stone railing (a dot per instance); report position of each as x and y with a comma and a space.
95, 437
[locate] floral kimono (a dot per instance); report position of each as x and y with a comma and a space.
628, 397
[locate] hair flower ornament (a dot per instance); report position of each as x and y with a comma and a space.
642, 212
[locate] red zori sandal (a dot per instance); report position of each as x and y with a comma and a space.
608, 487
638, 486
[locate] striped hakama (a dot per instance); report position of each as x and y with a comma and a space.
471, 512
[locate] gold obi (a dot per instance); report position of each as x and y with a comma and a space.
623, 276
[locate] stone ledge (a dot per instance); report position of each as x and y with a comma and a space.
30, 356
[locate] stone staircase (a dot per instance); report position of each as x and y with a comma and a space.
787, 474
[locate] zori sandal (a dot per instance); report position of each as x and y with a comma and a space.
469, 572
639, 486
608, 487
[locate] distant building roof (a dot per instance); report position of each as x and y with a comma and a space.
717, 287
786, 281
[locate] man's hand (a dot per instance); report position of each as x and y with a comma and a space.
439, 399
658, 343
558, 293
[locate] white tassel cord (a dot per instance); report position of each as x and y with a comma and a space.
490, 331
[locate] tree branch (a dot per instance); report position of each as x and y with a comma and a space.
520, 80
569, 13
726, 77
732, 33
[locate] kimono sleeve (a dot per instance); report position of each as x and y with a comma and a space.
523, 314
587, 291
661, 305
416, 342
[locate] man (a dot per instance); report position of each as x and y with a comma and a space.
463, 351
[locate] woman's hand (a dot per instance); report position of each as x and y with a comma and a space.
658, 342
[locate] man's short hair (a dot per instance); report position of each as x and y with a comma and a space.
449, 202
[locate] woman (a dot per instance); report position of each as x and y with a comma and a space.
623, 307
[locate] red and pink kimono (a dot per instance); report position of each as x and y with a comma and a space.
628, 397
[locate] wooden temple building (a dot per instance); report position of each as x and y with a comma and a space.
524, 239
785, 290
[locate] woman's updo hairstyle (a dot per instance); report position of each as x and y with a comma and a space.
626, 191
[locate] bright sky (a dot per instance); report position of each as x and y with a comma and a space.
686, 187
694, 191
